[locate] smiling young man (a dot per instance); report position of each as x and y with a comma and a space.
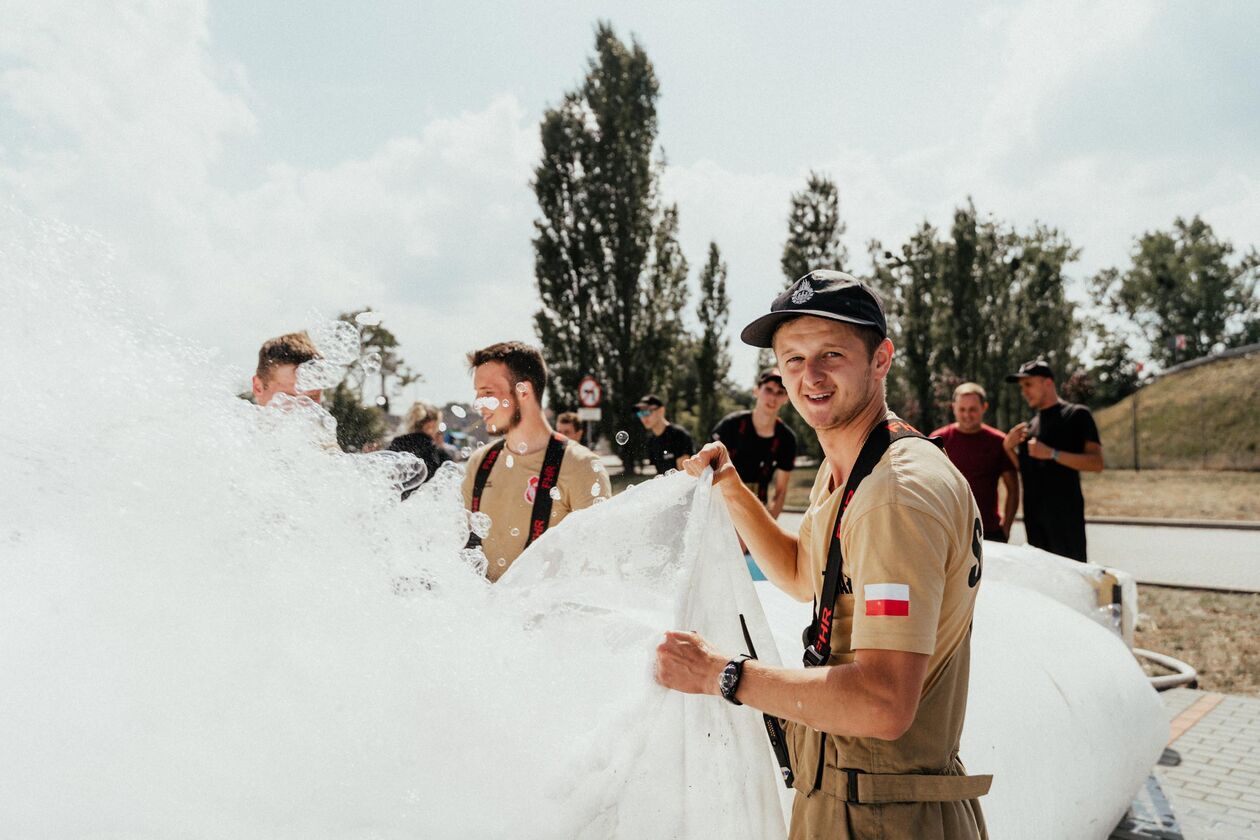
890, 548
761, 446
531, 478
976, 448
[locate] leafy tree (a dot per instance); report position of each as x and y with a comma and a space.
391, 372
814, 230
357, 424
973, 307
1182, 283
611, 276
712, 359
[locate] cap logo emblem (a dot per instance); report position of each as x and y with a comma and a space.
803, 293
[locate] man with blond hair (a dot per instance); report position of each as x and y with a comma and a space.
976, 449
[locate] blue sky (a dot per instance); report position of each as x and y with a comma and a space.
256, 165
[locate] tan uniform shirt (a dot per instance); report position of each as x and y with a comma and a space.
508, 497
911, 544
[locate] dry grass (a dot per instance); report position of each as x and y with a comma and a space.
1173, 494
1149, 494
1216, 632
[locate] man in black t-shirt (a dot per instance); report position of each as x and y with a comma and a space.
668, 443
760, 445
1052, 450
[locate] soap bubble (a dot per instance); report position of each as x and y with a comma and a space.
475, 558
441, 427
510, 461
502, 562
458, 411
520, 387
479, 522
516, 532
596, 489
597, 466
622, 437
506, 404
318, 374
492, 429
371, 363
555, 493
336, 341
598, 500
465, 452
368, 319
521, 447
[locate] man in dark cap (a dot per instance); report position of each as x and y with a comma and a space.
1052, 450
890, 550
668, 443
761, 446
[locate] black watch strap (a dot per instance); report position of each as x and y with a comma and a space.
728, 683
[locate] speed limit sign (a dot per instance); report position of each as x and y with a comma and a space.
589, 392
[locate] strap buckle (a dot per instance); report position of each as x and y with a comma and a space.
812, 658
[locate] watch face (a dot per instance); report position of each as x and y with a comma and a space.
728, 678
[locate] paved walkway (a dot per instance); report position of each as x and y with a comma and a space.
1214, 790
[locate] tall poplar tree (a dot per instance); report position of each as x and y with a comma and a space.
712, 359
611, 276
814, 230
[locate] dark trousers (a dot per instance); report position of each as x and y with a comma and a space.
1062, 534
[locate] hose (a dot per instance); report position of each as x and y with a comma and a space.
1183, 673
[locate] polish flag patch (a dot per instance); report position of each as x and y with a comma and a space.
887, 598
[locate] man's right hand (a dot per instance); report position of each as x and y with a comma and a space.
1017, 435
712, 455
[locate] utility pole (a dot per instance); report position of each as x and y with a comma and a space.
1137, 464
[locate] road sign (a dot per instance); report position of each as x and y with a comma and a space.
589, 392
589, 415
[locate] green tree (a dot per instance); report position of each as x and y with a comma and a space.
611, 276
814, 230
357, 424
379, 361
712, 359
1182, 284
972, 308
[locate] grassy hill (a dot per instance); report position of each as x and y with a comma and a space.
1207, 417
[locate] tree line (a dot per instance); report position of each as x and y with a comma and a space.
968, 303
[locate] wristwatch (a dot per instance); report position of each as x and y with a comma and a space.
728, 682
1054, 455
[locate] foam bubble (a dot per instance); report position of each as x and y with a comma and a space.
623, 437
318, 374
371, 363
458, 411
368, 319
336, 341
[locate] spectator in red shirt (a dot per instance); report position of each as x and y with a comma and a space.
976, 449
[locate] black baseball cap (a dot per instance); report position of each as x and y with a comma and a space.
823, 294
770, 375
1037, 367
650, 400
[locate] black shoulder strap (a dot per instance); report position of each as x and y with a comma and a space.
479, 484
877, 443
540, 518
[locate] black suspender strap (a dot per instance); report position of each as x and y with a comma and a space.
820, 629
774, 729
540, 517
547, 478
479, 485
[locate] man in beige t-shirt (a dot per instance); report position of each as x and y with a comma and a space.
873, 728
531, 460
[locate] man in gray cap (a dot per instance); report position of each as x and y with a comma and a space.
872, 724
1052, 450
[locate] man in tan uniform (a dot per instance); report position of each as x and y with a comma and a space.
872, 729
532, 477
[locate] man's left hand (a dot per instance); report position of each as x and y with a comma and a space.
1038, 450
686, 662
